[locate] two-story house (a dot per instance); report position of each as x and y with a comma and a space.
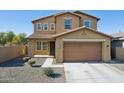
69, 36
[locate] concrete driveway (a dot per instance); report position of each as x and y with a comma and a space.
92, 73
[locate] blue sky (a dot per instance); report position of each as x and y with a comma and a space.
20, 20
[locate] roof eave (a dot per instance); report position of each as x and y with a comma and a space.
84, 28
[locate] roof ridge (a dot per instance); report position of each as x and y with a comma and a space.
86, 14
60, 13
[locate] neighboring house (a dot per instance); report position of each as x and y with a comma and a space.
117, 42
69, 36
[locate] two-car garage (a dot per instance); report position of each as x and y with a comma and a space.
82, 51
83, 44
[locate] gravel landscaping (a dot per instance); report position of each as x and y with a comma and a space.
17, 71
30, 75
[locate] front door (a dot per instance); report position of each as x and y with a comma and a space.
52, 48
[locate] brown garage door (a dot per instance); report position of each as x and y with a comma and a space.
82, 51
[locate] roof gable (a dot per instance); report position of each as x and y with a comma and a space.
58, 14
76, 13
80, 28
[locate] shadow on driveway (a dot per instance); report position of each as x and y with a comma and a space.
17, 62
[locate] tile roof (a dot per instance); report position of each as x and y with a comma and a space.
40, 36
118, 34
79, 28
86, 14
57, 14
73, 13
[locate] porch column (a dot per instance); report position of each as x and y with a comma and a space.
106, 51
30, 48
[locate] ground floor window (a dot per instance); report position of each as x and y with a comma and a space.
42, 45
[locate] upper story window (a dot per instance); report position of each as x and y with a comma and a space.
39, 26
67, 23
86, 23
52, 26
45, 27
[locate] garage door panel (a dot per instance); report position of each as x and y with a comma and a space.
82, 51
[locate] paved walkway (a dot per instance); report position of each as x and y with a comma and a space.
43, 56
48, 63
92, 73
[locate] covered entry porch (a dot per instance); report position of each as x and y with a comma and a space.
41, 48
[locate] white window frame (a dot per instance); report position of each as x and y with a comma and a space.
44, 45
41, 46
37, 26
37, 45
87, 21
51, 26
44, 26
67, 18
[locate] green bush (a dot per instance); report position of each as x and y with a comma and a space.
31, 62
48, 72
25, 59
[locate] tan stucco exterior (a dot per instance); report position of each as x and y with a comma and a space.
78, 34
120, 53
46, 20
93, 20
60, 22
32, 48
76, 22
83, 34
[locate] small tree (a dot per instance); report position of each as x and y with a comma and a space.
22, 37
3, 39
16, 40
9, 36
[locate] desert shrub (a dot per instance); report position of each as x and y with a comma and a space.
25, 59
31, 62
48, 72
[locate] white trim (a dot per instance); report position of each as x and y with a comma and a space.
42, 45
37, 45
87, 21
67, 24
44, 26
50, 26
83, 40
37, 26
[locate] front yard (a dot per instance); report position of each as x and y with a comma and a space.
30, 75
15, 71
18, 71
